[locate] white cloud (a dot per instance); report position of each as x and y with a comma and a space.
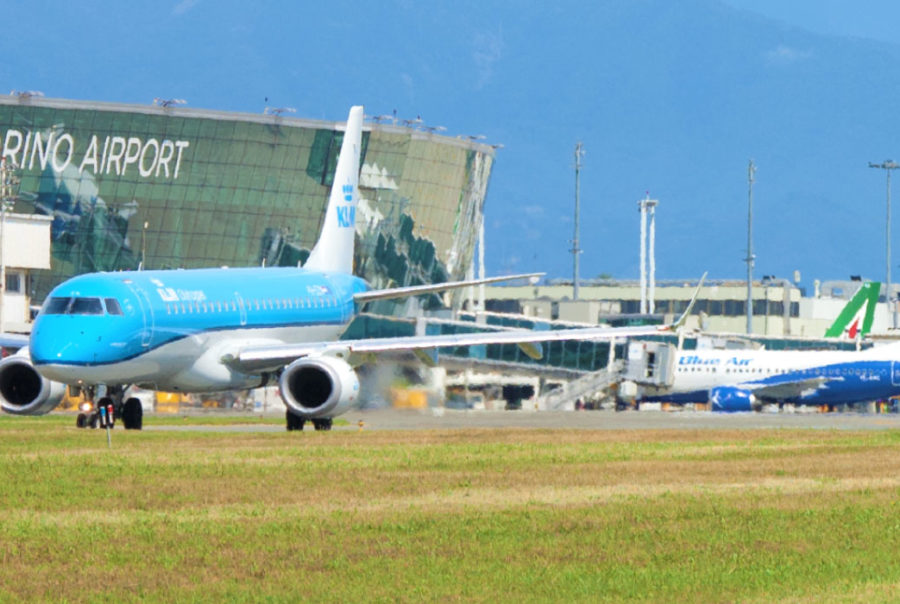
784, 55
407, 81
488, 48
184, 6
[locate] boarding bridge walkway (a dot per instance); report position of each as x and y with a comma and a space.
585, 363
583, 387
563, 359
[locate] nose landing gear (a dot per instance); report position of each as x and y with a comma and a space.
130, 411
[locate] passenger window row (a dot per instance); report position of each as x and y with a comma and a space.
250, 305
816, 371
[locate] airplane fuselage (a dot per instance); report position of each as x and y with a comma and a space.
818, 377
171, 329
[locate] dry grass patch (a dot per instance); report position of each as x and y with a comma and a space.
447, 515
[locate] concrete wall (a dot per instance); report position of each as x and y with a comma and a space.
26, 241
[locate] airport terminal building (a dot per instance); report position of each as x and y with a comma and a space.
171, 187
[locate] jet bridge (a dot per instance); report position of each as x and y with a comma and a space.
649, 363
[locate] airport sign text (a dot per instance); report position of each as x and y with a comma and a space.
150, 158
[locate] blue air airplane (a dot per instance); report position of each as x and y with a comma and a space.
206, 330
732, 380
746, 380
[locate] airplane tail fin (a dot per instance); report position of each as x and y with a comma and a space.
333, 251
855, 320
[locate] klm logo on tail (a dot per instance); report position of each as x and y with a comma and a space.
346, 215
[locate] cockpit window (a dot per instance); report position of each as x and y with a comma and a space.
57, 306
112, 306
74, 306
86, 306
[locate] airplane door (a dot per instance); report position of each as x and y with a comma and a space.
241, 308
895, 373
146, 314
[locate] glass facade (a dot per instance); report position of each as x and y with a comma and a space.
169, 187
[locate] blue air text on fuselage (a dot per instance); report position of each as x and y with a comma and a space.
693, 359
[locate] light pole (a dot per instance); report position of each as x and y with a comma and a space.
751, 171
888, 165
579, 153
143, 246
8, 180
647, 208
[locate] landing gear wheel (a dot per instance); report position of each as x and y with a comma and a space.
94, 420
322, 424
294, 422
133, 414
106, 403
81, 421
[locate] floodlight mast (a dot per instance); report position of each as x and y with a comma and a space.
579, 153
9, 181
751, 171
647, 209
888, 165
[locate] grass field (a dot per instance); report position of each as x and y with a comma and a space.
483, 515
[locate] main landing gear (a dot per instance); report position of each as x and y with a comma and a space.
129, 410
295, 422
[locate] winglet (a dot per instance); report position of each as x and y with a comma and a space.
687, 311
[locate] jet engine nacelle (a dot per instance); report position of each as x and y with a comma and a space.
23, 390
730, 399
315, 387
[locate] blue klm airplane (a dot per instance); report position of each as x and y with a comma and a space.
206, 330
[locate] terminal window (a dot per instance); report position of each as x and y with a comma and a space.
14, 282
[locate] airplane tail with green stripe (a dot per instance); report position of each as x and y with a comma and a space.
855, 320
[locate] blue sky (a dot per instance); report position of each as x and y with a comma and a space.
668, 97
869, 19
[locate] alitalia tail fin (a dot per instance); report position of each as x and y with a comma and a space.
856, 318
333, 251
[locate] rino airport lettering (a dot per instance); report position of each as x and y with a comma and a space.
152, 158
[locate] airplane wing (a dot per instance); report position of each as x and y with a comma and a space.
415, 290
790, 389
13, 340
272, 357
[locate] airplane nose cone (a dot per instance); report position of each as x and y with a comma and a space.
56, 344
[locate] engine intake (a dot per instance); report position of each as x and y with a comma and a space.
729, 399
24, 391
316, 387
